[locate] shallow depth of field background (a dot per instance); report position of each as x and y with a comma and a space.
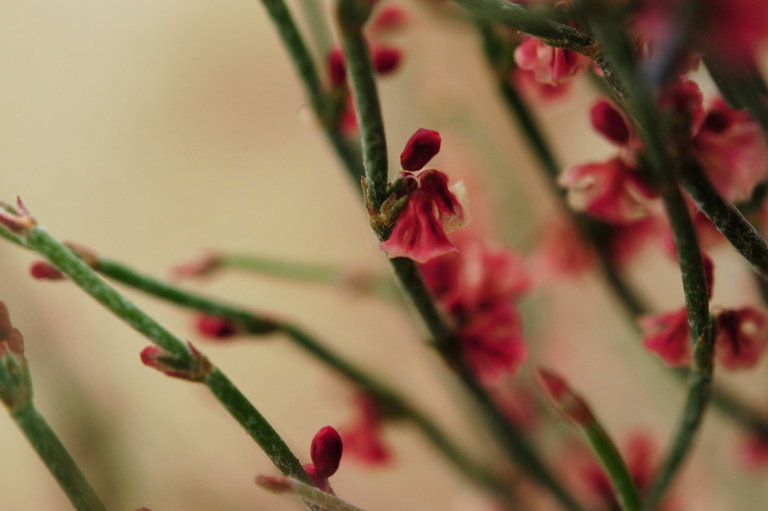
150, 130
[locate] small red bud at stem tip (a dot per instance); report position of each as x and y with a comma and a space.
215, 327
42, 270
326, 452
420, 148
564, 398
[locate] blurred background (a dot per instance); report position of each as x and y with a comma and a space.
150, 130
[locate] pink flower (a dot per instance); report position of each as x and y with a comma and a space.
325, 451
560, 252
753, 451
549, 64
525, 82
733, 151
432, 208
492, 343
668, 335
610, 191
684, 100
362, 439
741, 337
386, 59
734, 29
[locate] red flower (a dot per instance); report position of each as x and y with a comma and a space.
733, 151
741, 337
215, 327
560, 252
363, 440
610, 122
610, 191
492, 343
549, 64
432, 208
668, 335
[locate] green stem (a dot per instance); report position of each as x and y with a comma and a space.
528, 21
613, 464
699, 394
305, 67
641, 105
318, 28
255, 323
318, 497
85, 277
742, 235
56, 458
255, 425
352, 16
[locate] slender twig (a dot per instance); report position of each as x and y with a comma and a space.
528, 21
318, 497
242, 410
318, 99
55, 456
352, 15
318, 27
699, 394
620, 64
726, 217
255, 323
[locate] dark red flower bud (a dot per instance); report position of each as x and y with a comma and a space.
386, 59
389, 18
326, 452
215, 327
337, 71
564, 398
43, 270
609, 122
420, 148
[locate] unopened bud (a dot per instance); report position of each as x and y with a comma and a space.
17, 219
386, 59
43, 270
326, 452
566, 401
609, 122
337, 70
197, 266
215, 327
195, 368
421, 147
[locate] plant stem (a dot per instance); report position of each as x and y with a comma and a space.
640, 103
305, 67
743, 88
699, 394
84, 276
387, 396
613, 464
352, 15
318, 28
56, 458
323, 500
528, 21
742, 235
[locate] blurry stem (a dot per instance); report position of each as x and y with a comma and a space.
318, 28
254, 323
742, 235
352, 15
699, 394
56, 458
743, 88
613, 464
305, 67
620, 68
530, 22
86, 278
361, 281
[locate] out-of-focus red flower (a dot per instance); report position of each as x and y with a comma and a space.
668, 335
549, 64
362, 439
215, 327
610, 191
753, 451
741, 338
525, 82
560, 252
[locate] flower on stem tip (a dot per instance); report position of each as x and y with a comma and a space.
431, 208
565, 400
667, 334
216, 327
548, 64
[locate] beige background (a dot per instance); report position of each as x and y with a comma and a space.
148, 130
